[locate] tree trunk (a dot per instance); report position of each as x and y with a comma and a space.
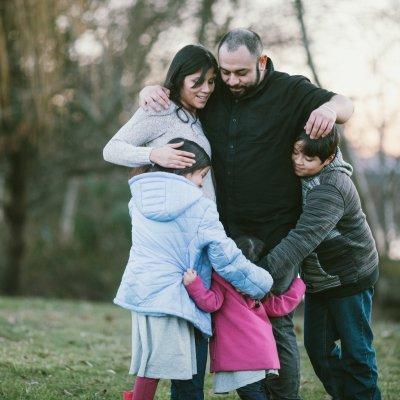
205, 15
68, 214
15, 211
27, 35
306, 43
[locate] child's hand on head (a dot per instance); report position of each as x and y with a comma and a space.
189, 276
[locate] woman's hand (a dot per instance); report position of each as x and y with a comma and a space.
155, 97
189, 276
169, 157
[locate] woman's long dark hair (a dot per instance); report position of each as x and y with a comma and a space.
188, 60
202, 159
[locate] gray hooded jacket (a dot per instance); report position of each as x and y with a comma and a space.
332, 236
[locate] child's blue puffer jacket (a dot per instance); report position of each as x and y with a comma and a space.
174, 227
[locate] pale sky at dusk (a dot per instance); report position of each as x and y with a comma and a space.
347, 37
356, 50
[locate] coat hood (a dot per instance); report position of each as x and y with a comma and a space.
338, 164
162, 196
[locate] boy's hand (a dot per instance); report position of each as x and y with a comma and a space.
189, 276
155, 97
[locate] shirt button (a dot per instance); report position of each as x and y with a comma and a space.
231, 146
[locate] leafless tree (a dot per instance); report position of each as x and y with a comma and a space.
39, 76
29, 72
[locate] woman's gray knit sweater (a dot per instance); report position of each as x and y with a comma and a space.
132, 144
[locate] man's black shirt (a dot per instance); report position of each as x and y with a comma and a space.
251, 139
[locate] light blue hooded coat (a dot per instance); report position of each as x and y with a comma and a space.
175, 227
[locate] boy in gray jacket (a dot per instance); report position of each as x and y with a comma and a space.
340, 268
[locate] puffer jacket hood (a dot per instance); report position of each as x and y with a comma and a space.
155, 195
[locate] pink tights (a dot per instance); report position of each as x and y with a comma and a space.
144, 389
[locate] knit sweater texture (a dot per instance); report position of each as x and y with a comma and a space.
132, 144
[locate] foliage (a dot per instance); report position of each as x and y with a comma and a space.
70, 72
53, 349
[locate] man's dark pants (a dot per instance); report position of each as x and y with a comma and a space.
286, 387
348, 371
192, 389
253, 391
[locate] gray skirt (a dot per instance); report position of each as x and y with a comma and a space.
162, 347
226, 381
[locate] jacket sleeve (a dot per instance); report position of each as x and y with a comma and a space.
128, 146
307, 97
322, 211
282, 284
314, 275
277, 306
208, 300
228, 261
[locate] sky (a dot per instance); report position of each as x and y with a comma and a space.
356, 50
355, 46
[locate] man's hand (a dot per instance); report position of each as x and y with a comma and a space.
168, 157
155, 97
320, 122
338, 109
189, 276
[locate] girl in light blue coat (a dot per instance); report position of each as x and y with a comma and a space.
175, 227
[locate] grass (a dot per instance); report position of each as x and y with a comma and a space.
54, 349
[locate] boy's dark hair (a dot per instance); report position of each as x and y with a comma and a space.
323, 147
202, 159
252, 248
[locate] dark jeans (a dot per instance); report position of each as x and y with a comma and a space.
347, 371
286, 387
192, 389
253, 391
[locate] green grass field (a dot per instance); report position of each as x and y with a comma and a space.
53, 349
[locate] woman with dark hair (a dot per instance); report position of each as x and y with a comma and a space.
143, 139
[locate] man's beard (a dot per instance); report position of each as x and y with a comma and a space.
246, 89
